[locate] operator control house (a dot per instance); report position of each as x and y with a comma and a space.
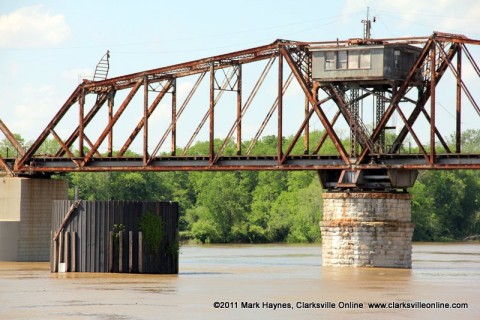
379, 63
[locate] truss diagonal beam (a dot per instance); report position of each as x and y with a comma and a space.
462, 83
424, 97
63, 146
100, 101
268, 116
141, 123
324, 136
397, 97
354, 122
6, 167
56, 119
323, 118
245, 107
11, 138
435, 57
112, 122
205, 117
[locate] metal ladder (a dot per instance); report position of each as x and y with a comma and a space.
101, 71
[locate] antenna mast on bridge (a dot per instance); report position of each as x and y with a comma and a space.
367, 26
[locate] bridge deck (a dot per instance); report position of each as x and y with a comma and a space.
232, 163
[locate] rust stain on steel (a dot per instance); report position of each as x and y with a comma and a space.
296, 57
11, 138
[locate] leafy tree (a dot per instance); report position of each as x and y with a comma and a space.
49, 147
269, 186
266, 145
7, 150
470, 141
296, 214
226, 202
121, 186
278, 206
305, 227
447, 208
427, 224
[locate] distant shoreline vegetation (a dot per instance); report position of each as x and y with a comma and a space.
278, 206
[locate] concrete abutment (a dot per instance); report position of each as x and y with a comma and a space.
26, 217
367, 229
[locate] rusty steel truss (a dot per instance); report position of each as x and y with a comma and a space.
78, 151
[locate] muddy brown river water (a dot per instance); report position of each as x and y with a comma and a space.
254, 282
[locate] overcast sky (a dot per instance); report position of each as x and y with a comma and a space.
45, 46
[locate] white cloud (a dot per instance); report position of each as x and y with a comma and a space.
32, 114
31, 27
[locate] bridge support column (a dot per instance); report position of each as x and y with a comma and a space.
26, 217
367, 229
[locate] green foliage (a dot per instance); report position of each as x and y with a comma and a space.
446, 205
7, 150
206, 231
153, 231
427, 225
278, 206
117, 228
226, 201
296, 212
470, 141
173, 248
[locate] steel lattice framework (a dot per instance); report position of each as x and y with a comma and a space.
368, 151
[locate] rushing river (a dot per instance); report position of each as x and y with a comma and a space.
254, 282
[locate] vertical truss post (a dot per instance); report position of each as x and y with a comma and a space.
110, 117
354, 111
397, 94
239, 109
145, 120
111, 123
458, 134
313, 102
206, 116
432, 103
280, 110
306, 140
141, 123
211, 114
81, 105
380, 111
174, 117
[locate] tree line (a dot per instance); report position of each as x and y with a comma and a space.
278, 206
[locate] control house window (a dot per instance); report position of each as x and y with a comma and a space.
331, 60
347, 59
365, 59
396, 59
342, 60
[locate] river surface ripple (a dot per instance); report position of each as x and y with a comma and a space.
253, 282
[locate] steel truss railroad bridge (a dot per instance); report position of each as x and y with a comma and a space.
366, 161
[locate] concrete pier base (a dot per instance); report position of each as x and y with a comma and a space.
26, 217
367, 229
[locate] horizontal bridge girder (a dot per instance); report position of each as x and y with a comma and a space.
233, 163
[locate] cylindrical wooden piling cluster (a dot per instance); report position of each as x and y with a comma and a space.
107, 236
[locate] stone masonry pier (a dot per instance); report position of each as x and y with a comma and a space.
367, 229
